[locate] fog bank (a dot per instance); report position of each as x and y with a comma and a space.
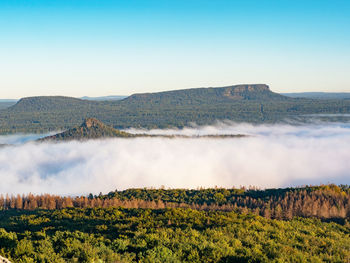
273, 156
21, 138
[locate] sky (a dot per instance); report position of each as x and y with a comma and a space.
99, 47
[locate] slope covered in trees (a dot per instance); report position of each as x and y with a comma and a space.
241, 103
89, 129
167, 235
179, 225
325, 202
94, 129
328, 202
200, 96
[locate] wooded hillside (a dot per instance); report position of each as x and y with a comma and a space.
240, 103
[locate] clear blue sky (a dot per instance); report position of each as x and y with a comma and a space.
96, 47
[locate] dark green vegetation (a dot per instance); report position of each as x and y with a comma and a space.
167, 235
242, 103
94, 129
178, 225
89, 129
327, 202
104, 98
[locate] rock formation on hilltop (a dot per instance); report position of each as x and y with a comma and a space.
90, 129
252, 103
94, 129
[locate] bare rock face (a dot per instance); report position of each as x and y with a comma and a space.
92, 122
254, 91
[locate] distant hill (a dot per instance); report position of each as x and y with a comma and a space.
89, 129
253, 103
255, 92
8, 100
47, 103
4, 103
320, 95
95, 129
104, 98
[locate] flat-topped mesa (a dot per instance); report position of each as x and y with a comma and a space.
252, 87
201, 96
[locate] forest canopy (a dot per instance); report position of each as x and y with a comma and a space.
306, 224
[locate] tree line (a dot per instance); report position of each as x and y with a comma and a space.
325, 202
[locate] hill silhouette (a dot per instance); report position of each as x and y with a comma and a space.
45, 103
196, 96
257, 92
90, 129
253, 103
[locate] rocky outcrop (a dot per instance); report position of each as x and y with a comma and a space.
94, 129
90, 129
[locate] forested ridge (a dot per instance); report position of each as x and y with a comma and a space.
241, 103
179, 225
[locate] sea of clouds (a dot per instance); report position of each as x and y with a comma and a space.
15, 139
272, 156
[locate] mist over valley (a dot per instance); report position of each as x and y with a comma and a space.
271, 156
174, 131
